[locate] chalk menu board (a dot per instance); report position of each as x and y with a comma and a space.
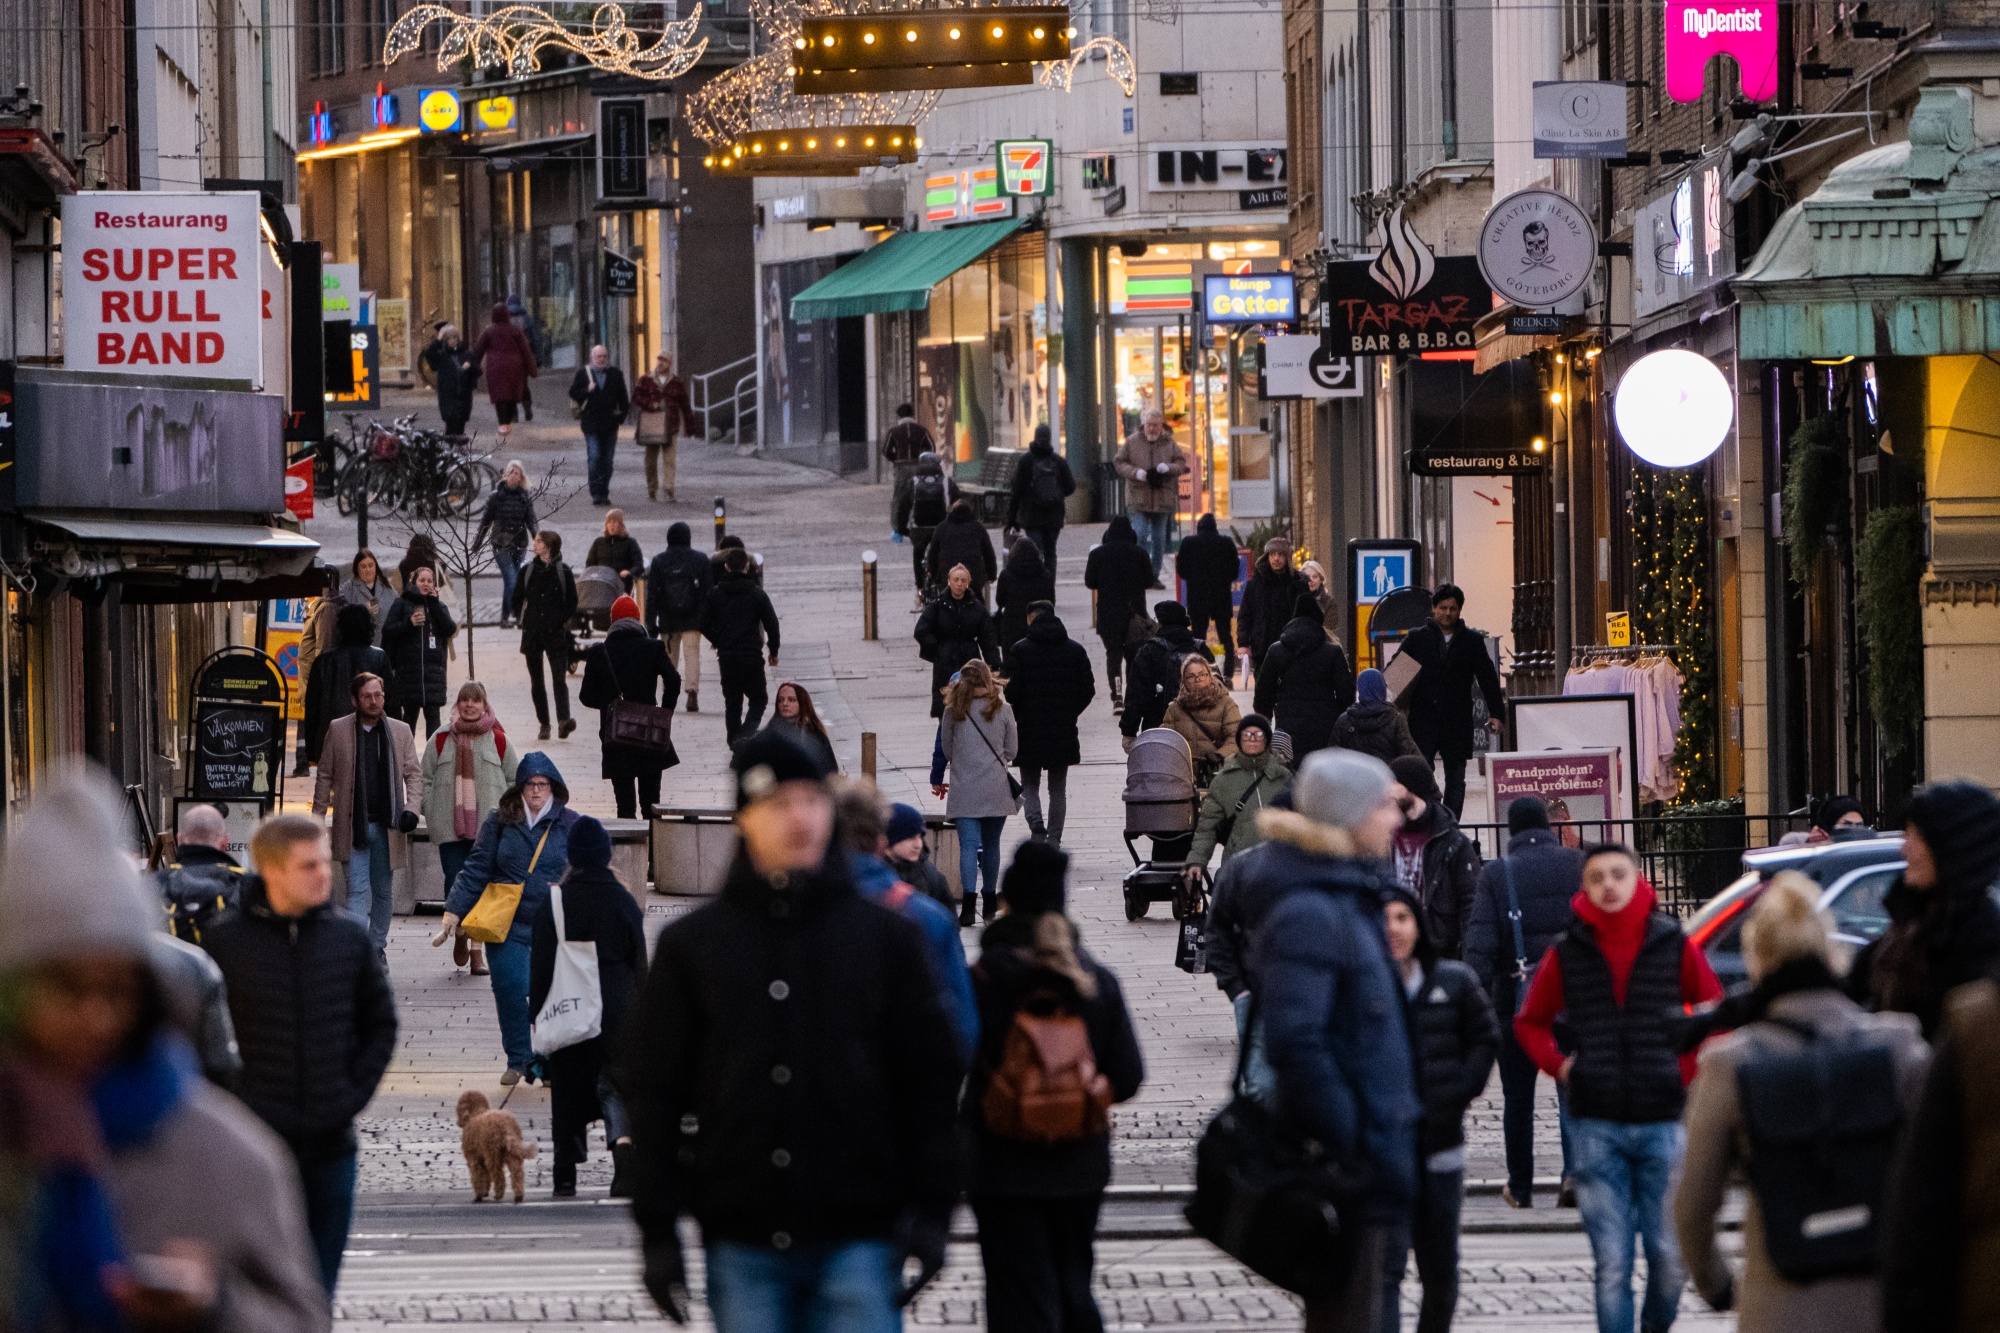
238, 749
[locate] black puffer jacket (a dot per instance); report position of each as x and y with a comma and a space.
1547, 876
738, 617
1377, 729
677, 585
1025, 580
1451, 873
1305, 686
417, 653
631, 665
1268, 599
951, 632
545, 601
509, 519
1005, 976
1049, 683
1154, 679
314, 1017
790, 1069
1453, 1036
1244, 894
328, 686
1207, 562
961, 540
1121, 574
619, 553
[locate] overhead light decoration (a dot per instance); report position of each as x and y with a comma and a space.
953, 46
1117, 63
512, 38
840, 150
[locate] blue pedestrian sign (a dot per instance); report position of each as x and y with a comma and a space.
1382, 572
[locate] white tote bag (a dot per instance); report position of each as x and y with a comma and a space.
574, 1010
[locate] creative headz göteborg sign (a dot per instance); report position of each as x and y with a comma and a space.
1537, 248
1405, 301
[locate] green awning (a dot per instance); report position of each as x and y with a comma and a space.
899, 273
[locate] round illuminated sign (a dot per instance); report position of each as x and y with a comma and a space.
439, 110
1674, 408
496, 113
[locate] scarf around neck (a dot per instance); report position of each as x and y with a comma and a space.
465, 774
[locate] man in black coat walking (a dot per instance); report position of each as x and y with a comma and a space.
676, 586
1305, 683
1208, 563
922, 499
630, 665
1538, 877
962, 540
1453, 660
738, 619
1042, 482
792, 1077
1049, 683
1156, 669
315, 1020
599, 391
1270, 600
1120, 573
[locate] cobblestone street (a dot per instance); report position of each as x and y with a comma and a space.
422, 1253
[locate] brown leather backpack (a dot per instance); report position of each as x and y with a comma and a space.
1047, 1088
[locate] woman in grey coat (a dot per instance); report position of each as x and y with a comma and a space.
367, 586
979, 739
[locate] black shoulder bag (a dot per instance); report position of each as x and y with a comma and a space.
1014, 787
1524, 971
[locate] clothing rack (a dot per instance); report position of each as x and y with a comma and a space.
1599, 651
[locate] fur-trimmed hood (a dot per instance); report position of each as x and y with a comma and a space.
1308, 835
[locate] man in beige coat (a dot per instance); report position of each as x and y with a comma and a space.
1151, 465
1785, 944
371, 779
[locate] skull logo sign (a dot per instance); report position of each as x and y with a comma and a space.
1535, 241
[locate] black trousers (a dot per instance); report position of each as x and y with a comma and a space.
1045, 538
743, 696
1225, 633
1517, 1090
1454, 773
1356, 1307
558, 658
920, 544
1038, 1255
454, 421
1114, 659
636, 796
407, 714
1433, 1235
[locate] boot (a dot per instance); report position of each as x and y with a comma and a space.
565, 1177
545, 732
461, 951
694, 702
987, 907
622, 1170
478, 960
965, 910
565, 727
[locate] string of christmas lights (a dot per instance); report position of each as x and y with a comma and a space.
512, 38
1669, 512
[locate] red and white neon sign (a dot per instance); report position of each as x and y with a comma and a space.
1700, 30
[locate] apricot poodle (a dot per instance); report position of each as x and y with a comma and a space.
492, 1146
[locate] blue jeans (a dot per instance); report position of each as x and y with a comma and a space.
979, 844
509, 563
507, 965
328, 1185
824, 1288
598, 452
451, 860
1622, 1174
371, 886
1154, 530
1260, 1081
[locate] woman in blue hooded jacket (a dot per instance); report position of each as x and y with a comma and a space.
526, 842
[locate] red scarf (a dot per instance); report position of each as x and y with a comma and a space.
465, 811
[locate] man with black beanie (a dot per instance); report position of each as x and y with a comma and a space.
1520, 907
1435, 860
1155, 676
792, 1079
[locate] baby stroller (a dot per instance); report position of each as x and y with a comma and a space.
597, 587
1160, 803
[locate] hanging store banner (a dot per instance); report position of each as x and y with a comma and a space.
1580, 120
299, 489
1537, 249
1299, 366
1464, 424
621, 275
1249, 298
1699, 31
340, 292
1405, 301
163, 284
1682, 242
621, 148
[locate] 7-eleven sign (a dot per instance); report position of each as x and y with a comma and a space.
1026, 166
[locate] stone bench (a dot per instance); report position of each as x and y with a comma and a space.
693, 846
424, 882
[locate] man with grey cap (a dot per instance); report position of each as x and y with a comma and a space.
1330, 1005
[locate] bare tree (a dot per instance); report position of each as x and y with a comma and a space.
459, 544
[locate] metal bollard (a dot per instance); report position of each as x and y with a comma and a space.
721, 521
868, 755
868, 627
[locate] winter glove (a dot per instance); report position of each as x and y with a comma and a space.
666, 1278
406, 822
923, 1239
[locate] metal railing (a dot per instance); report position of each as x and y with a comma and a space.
1688, 858
740, 401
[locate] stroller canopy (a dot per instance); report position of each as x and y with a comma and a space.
1160, 767
597, 587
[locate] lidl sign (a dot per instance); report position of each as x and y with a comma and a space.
439, 110
494, 113
1026, 166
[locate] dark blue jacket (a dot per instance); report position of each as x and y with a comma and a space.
504, 850
1547, 876
1332, 1010
874, 879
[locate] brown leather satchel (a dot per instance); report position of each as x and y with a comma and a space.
637, 726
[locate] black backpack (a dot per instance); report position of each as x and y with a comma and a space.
1045, 483
194, 899
1822, 1127
927, 506
682, 593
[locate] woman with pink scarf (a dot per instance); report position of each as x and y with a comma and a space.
466, 766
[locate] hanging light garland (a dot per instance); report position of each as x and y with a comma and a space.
1117, 63
840, 150
757, 95
512, 38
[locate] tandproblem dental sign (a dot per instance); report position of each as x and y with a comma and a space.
163, 284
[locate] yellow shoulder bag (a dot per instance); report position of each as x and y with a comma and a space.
493, 915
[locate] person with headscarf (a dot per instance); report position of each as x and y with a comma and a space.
1247, 783
1372, 724
1120, 573
1944, 928
1205, 715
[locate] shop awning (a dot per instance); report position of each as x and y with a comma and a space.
899, 273
1897, 254
215, 552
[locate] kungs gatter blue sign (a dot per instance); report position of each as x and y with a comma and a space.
1249, 298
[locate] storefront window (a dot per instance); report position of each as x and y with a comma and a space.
982, 354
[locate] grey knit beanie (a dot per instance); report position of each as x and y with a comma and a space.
68, 885
1340, 787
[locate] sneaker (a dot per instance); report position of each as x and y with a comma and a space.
510, 1078
694, 704
565, 727
1507, 1197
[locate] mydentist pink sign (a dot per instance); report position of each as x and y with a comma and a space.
1697, 32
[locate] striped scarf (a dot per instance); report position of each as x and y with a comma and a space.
465, 774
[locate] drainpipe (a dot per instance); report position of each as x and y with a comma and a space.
271, 171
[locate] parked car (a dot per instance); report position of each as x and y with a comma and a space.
1854, 875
